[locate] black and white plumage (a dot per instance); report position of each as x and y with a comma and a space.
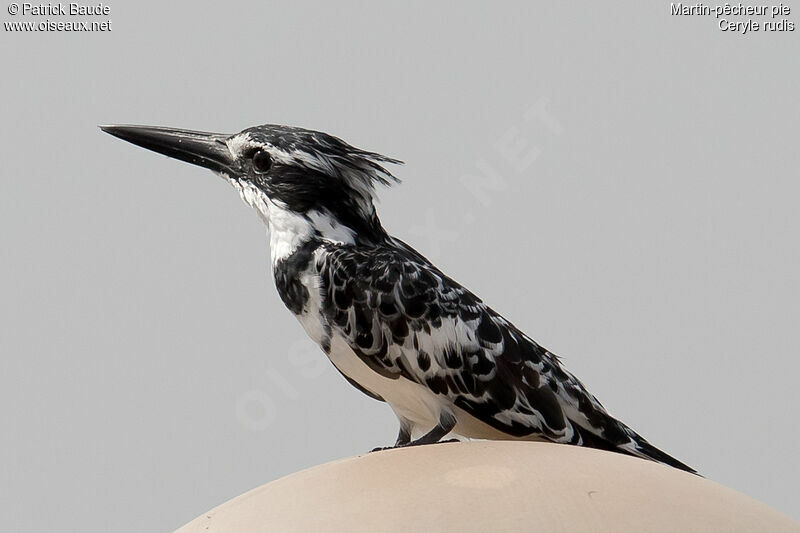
393, 324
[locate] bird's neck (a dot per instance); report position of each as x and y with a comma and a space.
290, 231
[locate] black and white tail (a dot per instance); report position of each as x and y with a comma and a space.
617, 437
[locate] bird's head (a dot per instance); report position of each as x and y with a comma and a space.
301, 181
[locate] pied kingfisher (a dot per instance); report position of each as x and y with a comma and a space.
393, 324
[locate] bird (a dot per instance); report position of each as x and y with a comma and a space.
394, 325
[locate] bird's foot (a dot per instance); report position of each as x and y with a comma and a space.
420, 442
409, 444
446, 423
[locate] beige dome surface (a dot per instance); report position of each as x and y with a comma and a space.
491, 486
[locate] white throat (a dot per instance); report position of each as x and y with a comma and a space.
288, 230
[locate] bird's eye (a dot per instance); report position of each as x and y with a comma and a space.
262, 161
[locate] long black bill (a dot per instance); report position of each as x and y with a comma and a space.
197, 147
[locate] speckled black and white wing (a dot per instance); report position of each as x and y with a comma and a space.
403, 317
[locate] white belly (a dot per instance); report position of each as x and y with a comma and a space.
414, 405
410, 401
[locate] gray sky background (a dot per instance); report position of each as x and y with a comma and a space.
637, 215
